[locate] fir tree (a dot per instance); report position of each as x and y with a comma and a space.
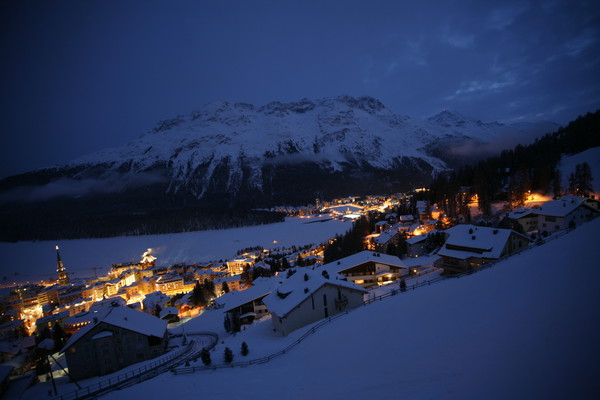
402, 285
244, 349
225, 287
205, 356
228, 355
59, 336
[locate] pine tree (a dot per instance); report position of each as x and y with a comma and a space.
244, 349
228, 355
205, 356
225, 287
402, 285
59, 336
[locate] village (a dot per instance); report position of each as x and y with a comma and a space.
103, 324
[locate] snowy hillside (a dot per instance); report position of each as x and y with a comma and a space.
592, 157
524, 329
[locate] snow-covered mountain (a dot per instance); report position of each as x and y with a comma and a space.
328, 146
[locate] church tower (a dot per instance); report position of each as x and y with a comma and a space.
63, 278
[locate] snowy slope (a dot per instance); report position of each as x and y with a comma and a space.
592, 157
525, 329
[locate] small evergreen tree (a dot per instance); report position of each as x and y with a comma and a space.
402, 285
205, 356
244, 349
225, 287
228, 355
59, 336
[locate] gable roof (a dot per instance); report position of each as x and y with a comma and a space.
386, 236
301, 286
262, 288
521, 213
360, 258
562, 207
476, 241
126, 318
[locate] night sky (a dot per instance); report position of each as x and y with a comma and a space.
78, 76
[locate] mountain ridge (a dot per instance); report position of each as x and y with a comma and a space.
237, 144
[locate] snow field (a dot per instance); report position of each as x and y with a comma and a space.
525, 328
37, 260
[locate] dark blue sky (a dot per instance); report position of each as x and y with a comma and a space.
78, 76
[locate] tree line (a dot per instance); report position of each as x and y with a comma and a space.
512, 174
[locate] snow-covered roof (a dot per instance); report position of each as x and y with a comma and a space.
235, 298
168, 311
520, 213
385, 236
417, 239
102, 335
300, 286
361, 258
467, 241
405, 218
126, 318
10, 348
52, 317
559, 208
46, 344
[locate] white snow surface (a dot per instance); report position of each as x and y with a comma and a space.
525, 328
301, 286
489, 241
329, 131
127, 318
591, 156
37, 260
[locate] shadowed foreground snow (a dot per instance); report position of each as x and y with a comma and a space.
526, 328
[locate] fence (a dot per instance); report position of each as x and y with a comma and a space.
393, 292
262, 360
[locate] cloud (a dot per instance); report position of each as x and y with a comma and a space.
74, 188
513, 136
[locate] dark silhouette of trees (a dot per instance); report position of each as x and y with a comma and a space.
514, 172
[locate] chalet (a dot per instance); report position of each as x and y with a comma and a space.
388, 237
470, 246
242, 308
50, 320
423, 210
121, 338
567, 212
233, 283
77, 321
406, 219
590, 201
12, 329
368, 268
309, 296
382, 226
527, 219
419, 245
564, 213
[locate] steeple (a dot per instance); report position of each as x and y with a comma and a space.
63, 278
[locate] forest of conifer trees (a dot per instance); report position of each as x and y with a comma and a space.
510, 175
